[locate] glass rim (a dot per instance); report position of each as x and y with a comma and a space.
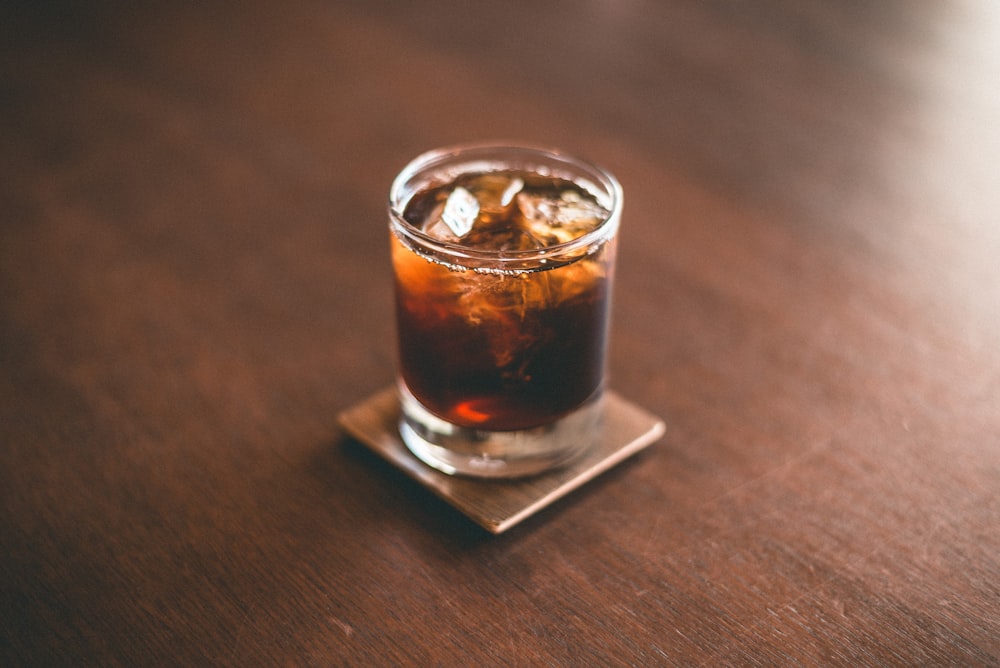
543, 159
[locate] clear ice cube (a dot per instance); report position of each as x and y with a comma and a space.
495, 193
513, 188
496, 211
437, 228
504, 238
460, 211
559, 219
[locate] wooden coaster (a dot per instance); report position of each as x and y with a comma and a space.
498, 505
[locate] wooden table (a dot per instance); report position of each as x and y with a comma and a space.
194, 282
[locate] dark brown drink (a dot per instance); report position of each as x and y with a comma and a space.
502, 301
500, 351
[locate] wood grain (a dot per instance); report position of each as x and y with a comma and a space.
194, 283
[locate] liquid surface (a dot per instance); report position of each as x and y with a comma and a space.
505, 211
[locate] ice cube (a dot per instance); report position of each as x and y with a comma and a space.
503, 237
522, 240
578, 213
559, 219
495, 193
513, 188
436, 227
499, 305
577, 278
460, 211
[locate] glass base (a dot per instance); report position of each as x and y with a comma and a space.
459, 450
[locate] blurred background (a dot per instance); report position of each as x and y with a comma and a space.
194, 281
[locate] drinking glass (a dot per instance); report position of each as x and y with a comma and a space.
503, 258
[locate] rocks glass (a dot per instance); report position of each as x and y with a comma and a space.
503, 258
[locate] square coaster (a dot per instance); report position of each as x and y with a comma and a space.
497, 505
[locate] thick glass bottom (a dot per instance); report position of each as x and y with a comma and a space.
459, 450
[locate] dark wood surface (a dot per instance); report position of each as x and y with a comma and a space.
498, 505
194, 281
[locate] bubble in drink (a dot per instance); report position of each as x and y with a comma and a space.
511, 347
